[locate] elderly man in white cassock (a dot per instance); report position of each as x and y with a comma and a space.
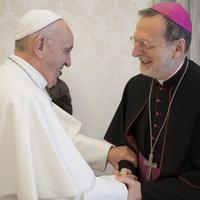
38, 157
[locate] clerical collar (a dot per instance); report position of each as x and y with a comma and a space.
165, 81
37, 78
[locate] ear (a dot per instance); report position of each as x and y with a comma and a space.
38, 46
179, 48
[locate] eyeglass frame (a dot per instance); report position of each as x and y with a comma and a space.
145, 44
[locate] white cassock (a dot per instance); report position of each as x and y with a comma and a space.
38, 159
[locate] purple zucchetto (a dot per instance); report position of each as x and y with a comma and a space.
174, 12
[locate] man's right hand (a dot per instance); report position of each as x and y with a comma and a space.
119, 153
134, 187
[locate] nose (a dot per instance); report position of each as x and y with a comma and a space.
68, 61
137, 51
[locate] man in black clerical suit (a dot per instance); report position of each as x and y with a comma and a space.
159, 114
60, 95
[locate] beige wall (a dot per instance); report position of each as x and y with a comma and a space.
101, 59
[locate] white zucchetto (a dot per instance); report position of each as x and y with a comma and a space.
34, 21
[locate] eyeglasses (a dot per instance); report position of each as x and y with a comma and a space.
142, 43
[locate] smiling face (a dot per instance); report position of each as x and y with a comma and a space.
156, 61
47, 50
57, 53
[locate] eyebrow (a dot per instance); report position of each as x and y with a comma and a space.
68, 48
139, 39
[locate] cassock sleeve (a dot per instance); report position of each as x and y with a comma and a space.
102, 189
94, 151
116, 130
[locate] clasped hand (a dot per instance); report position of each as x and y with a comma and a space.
134, 187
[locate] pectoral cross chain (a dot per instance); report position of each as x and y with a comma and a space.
149, 164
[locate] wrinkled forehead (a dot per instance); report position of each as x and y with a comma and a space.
62, 34
150, 27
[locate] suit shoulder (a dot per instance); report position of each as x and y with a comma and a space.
195, 67
138, 81
194, 73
